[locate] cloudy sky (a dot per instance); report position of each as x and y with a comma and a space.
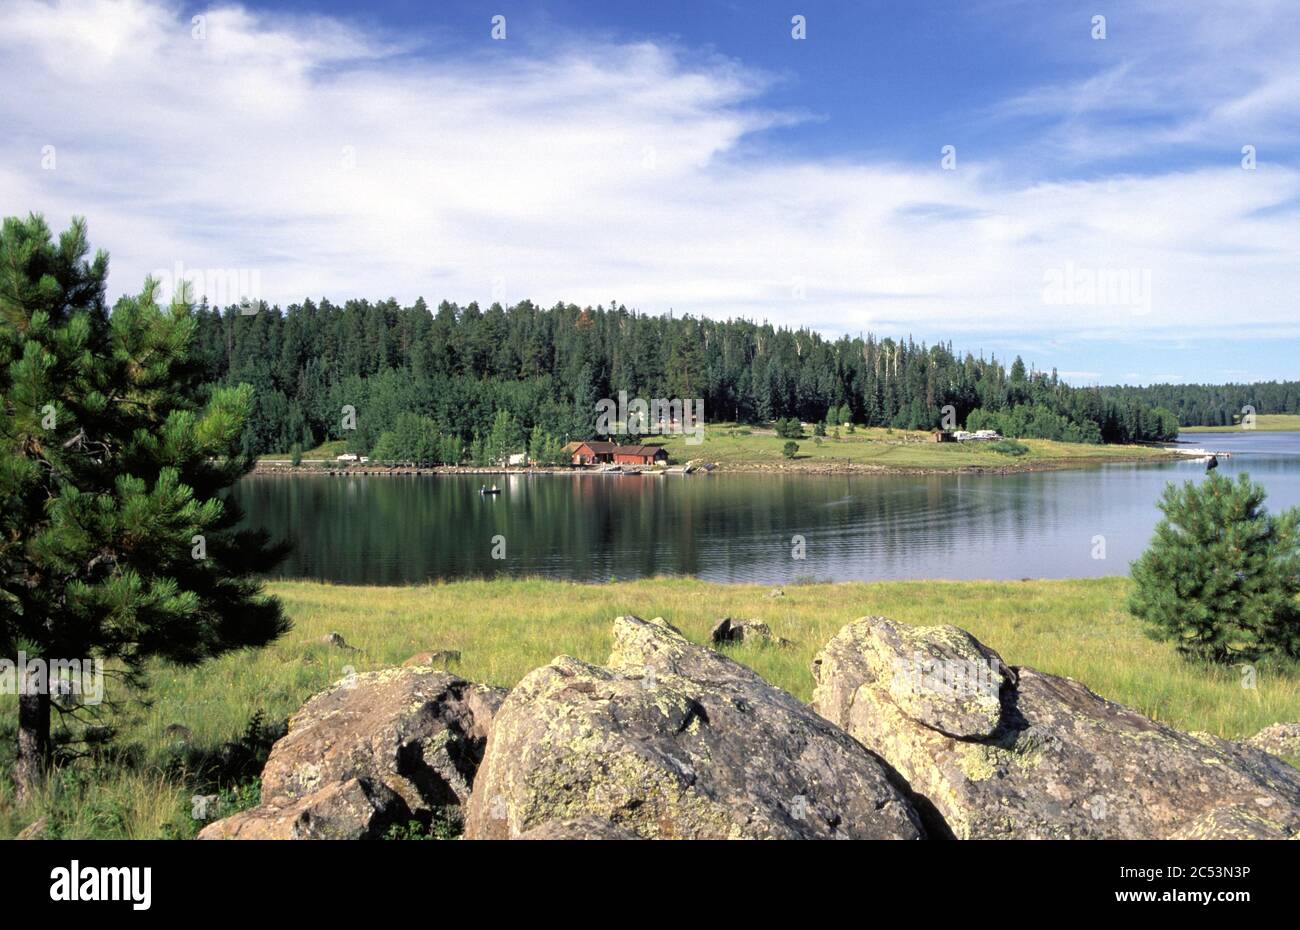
1095, 212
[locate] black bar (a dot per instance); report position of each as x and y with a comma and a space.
316, 879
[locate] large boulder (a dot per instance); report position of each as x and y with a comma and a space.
378, 748
673, 740
991, 751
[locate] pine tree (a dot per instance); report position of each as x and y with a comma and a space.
1221, 577
504, 439
115, 543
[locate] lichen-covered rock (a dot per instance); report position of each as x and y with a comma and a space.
411, 738
1280, 739
357, 809
940, 677
991, 751
673, 740
419, 731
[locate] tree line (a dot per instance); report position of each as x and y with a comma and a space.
1215, 404
457, 368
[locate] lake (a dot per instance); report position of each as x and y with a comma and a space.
741, 528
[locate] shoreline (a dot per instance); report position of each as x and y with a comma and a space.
319, 468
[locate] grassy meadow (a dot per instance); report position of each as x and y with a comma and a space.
876, 447
1264, 423
503, 629
325, 452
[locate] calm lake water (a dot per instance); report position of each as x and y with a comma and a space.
740, 527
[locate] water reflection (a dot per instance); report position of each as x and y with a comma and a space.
740, 527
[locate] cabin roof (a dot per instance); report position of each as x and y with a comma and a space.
638, 450
595, 445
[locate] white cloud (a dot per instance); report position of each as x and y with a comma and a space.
1216, 75
335, 162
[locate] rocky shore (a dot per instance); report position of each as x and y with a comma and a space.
913, 733
318, 468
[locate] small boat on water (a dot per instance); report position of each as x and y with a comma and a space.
485, 490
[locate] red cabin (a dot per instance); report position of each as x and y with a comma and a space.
594, 452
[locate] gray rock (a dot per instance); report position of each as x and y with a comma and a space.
991, 751
406, 742
674, 740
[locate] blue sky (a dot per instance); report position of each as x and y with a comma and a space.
1096, 215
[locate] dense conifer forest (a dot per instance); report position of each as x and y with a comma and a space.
1215, 404
464, 383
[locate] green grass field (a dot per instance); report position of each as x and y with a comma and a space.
1264, 423
506, 628
746, 447
325, 452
